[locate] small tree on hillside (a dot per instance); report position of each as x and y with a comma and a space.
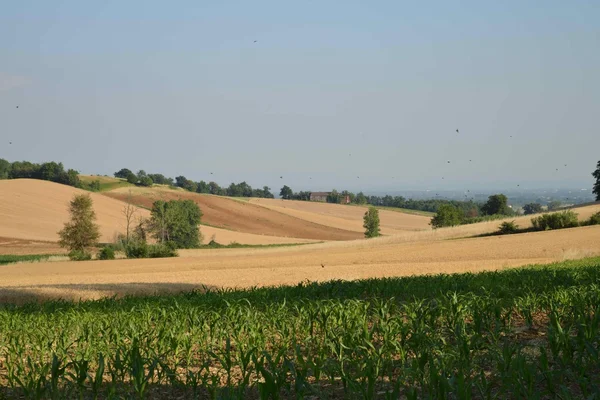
447, 215
81, 232
596, 189
286, 192
371, 223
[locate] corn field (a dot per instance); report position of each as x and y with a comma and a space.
530, 333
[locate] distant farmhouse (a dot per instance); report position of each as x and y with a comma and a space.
322, 196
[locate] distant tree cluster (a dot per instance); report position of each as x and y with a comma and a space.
449, 214
48, 171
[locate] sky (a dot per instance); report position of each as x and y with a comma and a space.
313, 94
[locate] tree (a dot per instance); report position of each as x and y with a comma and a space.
145, 181
81, 232
128, 212
497, 204
123, 173
334, 197
360, 198
182, 182
532, 208
371, 223
596, 189
176, 221
447, 215
132, 178
286, 192
4, 169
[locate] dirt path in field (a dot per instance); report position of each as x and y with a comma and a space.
344, 216
320, 262
241, 216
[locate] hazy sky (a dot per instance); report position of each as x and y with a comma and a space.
332, 90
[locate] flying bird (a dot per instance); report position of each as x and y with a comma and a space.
281, 177
17, 106
448, 161
457, 131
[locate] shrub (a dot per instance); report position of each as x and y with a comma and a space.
594, 219
80, 255
106, 253
559, 220
161, 251
508, 227
137, 249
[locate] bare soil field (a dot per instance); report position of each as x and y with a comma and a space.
241, 216
319, 262
36, 210
344, 216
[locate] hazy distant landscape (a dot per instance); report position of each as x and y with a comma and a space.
296, 200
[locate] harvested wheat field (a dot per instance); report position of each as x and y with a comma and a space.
33, 211
346, 217
36, 210
319, 262
239, 215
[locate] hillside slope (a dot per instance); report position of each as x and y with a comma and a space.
36, 210
346, 217
239, 215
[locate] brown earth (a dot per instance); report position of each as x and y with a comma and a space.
382, 257
239, 215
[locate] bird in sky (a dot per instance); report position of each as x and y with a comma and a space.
457, 131
281, 177
255, 41
17, 106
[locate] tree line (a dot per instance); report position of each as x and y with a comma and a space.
48, 171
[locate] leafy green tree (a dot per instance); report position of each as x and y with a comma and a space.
360, 198
145, 181
596, 189
81, 232
123, 173
176, 221
371, 223
4, 168
497, 204
132, 178
532, 208
202, 187
183, 182
286, 192
447, 215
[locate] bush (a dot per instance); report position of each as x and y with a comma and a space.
594, 219
80, 255
137, 249
508, 227
106, 253
559, 220
161, 251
